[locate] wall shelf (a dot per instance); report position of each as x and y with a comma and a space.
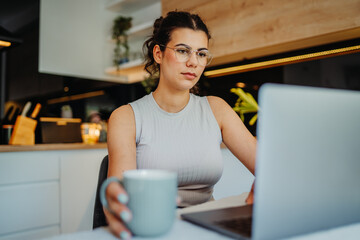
131, 72
128, 5
142, 29
143, 13
139, 31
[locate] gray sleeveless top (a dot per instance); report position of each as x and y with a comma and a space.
187, 142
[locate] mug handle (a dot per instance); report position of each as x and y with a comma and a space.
103, 187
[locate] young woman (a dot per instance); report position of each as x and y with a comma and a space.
172, 128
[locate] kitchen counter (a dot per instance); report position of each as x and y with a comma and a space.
54, 146
44, 180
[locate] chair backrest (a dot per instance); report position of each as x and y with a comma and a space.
99, 219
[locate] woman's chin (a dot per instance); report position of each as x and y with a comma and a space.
189, 84
186, 87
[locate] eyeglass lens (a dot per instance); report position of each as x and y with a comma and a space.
184, 54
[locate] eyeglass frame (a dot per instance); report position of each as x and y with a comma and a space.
191, 52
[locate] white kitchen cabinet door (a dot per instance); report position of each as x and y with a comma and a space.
25, 167
29, 195
79, 176
73, 38
29, 206
34, 234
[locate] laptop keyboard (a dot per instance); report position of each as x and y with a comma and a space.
237, 225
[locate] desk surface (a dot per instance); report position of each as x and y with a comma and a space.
180, 230
184, 230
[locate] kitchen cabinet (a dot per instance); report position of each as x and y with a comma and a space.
75, 37
250, 29
29, 195
78, 182
45, 193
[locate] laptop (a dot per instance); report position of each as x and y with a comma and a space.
307, 167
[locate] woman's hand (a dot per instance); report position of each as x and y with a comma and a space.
250, 198
117, 214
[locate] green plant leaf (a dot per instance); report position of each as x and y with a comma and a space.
245, 104
253, 120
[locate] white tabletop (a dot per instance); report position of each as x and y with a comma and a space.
180, 230
184, 230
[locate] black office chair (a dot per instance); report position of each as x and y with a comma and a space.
99, 219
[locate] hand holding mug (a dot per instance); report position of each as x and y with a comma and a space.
115, 209
151, 205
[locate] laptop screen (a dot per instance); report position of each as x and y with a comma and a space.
308, 160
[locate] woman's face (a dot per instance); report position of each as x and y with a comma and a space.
177, 74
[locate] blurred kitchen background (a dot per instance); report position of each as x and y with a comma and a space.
62, 58
59, 53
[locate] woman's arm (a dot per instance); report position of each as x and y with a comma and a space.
122, 157
121, 141
235, 136
234, 133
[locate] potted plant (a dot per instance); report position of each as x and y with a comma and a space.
119, 34
245, 104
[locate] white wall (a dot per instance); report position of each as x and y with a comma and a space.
236, 178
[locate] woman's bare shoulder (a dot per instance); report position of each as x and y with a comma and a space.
121, 140
123, 112
121, 128
218, 104
215, 100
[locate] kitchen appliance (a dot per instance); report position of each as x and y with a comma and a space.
60, 130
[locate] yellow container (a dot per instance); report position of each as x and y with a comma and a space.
90, 132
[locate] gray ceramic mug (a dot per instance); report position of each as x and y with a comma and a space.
152, 200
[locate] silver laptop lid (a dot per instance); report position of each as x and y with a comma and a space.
308, 160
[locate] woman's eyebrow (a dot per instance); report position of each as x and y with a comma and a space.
182, 45
188, 47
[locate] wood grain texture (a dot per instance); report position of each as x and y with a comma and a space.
254, 28
48, 147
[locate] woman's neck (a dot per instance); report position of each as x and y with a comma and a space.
171, 102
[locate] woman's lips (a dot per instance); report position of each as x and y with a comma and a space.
189, 75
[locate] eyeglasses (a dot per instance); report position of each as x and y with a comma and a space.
183, 54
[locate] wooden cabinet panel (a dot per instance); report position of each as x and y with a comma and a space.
24, 167
28, 206
254, 28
